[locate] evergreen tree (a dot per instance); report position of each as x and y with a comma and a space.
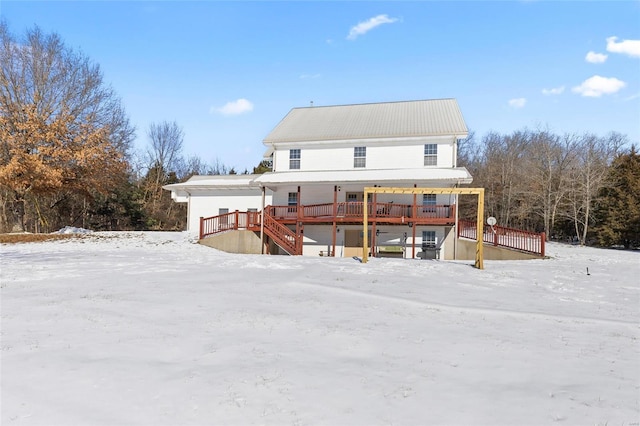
261, 168
619, 204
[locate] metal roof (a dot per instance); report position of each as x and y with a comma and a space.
215, 181
435, 117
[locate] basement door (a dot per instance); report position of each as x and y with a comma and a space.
353, 242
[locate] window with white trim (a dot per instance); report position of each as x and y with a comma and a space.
429, 238
431, 154
428, 203
360, 156
223, 221
428, 199
292, 201
294, 159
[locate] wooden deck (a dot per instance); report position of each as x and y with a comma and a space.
283, 223
352, 212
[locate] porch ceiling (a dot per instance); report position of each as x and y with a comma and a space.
420, 176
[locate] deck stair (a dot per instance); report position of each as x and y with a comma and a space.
284, 237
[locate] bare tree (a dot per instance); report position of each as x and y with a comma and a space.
64, 133
548, 162
219, 168
588, 175
192, 166
165, 145
470, 152
503, 174
164, 156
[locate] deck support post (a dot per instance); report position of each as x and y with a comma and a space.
373, 224
298, 223
365, 227
262, 222
335, 213
480, 231
414, 215
456, 227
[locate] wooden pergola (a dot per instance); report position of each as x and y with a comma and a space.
479, 263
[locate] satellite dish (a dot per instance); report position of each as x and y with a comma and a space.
491, 220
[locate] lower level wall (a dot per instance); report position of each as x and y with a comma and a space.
241, 242
248, 242
466, 250
318, 240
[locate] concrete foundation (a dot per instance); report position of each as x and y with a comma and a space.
241, 242
467, 251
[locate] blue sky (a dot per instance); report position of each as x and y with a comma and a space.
228, 72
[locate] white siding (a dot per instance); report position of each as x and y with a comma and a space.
318, 238
207, 204
281, 197
390, 155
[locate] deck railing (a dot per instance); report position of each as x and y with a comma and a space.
282, 235
500, 236
355, 210
228, 221
320, 212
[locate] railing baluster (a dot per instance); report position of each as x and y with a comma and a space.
518, 239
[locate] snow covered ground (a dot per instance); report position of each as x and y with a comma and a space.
152, 329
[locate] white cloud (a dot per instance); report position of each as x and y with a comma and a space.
597, 86
309, 76
627, 47
553, 91
596, 58
517, 102
237, 107
366, 26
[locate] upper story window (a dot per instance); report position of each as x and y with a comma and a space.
294, 159
428, 203
428, 199
431, 154
360, 156
292, 202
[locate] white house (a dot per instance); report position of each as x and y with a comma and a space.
322, 159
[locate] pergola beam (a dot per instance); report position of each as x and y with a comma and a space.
479, 263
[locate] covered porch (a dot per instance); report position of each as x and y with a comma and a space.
353, 212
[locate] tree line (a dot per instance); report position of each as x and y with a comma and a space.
66, 156
578, 187
66, 159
